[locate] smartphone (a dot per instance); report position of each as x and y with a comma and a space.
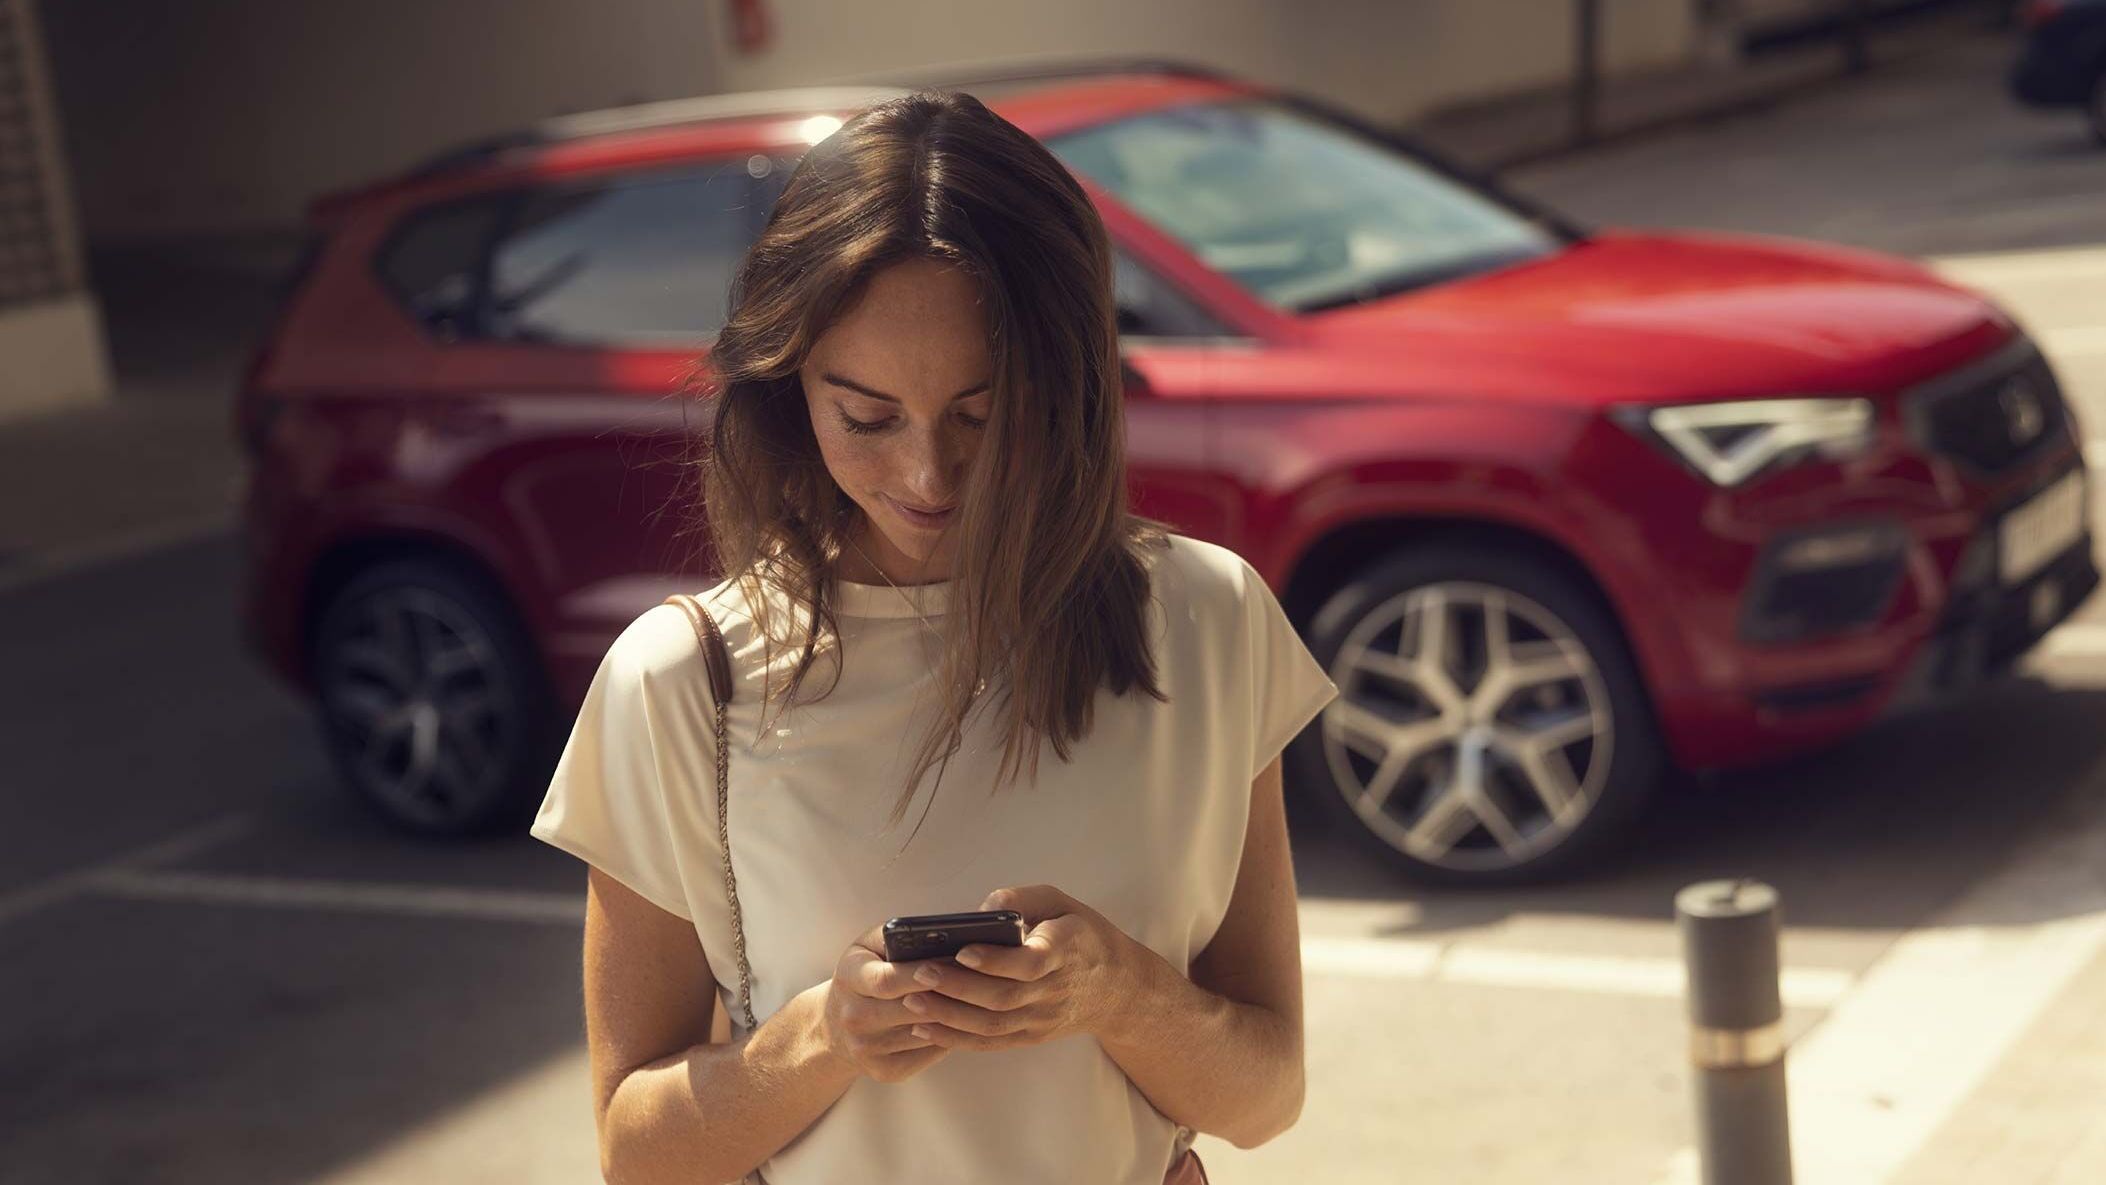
941, 935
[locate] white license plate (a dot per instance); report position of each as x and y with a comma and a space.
2040, 530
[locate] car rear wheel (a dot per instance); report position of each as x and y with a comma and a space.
1490, 726
432, 704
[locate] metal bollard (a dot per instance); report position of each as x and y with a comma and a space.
1736, 1031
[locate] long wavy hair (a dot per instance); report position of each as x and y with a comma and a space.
1049, 590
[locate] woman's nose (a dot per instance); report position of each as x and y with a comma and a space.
935, 470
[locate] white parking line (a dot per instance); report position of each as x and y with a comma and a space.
25, 901
498, 905
1878, 1076
2082, 339
1381, 958
60, 561
2077, 639
2016, 267
1488, 966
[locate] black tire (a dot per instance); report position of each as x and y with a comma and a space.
469, 692
1524, 586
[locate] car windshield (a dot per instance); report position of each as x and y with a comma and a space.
1306, 214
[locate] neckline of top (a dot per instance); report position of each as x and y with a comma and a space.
883, 600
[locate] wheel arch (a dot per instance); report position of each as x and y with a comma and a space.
339, 563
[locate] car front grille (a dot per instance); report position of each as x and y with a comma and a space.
1991, 417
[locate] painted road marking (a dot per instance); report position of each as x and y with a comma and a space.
499, 905
39, 566
2082, 339
2078, 639
25, 901
2019, 267
1379, 958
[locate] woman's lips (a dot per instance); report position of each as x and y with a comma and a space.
923, 518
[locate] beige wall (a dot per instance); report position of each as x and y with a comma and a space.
1389, 59
225, 116
51, 348
55, 356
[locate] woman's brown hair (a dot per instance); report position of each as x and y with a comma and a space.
1049, 589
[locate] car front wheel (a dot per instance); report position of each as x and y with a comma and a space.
1490, 726
432, 705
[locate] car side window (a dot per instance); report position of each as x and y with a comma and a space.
648, 257
1149, 306
433, 264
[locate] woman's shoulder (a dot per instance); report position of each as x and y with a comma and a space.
1200, 580
663, 638
1203, 568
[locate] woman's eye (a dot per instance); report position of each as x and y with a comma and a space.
855, 425
972, 421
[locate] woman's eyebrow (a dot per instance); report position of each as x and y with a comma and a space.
860, 389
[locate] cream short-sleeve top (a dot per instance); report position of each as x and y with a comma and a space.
1145, 823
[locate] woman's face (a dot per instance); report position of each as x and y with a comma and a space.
898, 390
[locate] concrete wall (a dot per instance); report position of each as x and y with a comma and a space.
193, 117
51, 348
189, 117
1388, 59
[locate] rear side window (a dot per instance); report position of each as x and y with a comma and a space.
433, 264
641, 259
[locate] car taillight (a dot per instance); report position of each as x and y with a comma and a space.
2040, 12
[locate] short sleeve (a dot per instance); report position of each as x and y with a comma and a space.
1289, 686
606, 803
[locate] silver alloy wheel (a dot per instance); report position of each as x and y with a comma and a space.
415, 689
1472, 729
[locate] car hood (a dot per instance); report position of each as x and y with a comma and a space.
1649, 318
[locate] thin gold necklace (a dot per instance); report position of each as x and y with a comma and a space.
912, 606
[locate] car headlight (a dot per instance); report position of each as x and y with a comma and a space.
1731, 442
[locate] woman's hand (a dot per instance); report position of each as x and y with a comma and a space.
866, 1021
1074, 970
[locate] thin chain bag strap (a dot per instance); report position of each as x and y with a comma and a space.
717, 657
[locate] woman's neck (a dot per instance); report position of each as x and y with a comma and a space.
870, 558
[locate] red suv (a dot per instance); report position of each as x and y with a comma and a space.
1558, 508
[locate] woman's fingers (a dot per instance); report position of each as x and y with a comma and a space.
1031, 962
968, 1018
868, 974
894, 1040
987, 991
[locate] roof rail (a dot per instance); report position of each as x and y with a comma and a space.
792, 100
662, 114
1002, 73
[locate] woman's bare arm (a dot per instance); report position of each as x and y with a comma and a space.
1221, 1052
670, 1106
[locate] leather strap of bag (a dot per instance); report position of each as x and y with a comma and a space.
717, 656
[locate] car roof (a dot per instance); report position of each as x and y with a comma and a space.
1043, 98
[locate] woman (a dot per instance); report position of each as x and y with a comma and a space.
915, 480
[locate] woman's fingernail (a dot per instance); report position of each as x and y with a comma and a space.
921, 1031
928, 975
970, 958
916, 1004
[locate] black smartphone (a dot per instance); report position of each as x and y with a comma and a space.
941, 935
